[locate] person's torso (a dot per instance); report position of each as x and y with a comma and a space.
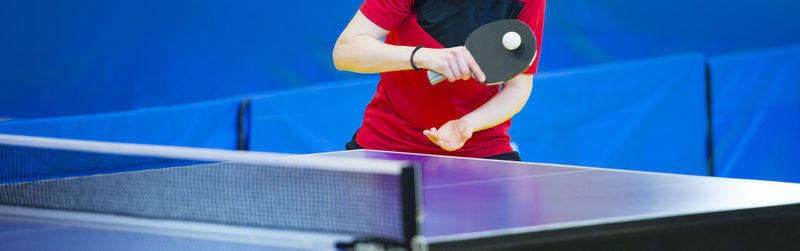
406, 103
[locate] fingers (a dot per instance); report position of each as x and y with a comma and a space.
462, 65
452, 63
448, 138
434, 135
474, 67
457, 63
463, 68
431, 133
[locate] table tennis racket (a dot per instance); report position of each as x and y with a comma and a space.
496, 61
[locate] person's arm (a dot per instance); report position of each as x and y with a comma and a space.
359, 49
509, 101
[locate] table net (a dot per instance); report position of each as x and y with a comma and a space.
362, 198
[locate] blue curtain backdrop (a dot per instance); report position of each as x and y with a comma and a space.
81, 56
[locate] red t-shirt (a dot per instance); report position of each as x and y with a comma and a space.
406, 103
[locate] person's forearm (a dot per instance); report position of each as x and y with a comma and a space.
363, 54
502, 106
359, 50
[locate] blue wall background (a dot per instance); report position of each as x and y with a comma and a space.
84, 56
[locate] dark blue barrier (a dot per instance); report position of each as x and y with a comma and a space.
639, 115
209, 124
756, 114
312, 119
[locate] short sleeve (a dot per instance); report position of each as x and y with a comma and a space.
387, 13
533, 15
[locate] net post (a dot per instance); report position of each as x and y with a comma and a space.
412, 210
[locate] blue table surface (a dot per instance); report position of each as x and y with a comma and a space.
465, 198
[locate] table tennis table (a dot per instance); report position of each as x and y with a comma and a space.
479, 204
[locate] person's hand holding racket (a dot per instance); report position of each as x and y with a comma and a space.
493, 53
453, 63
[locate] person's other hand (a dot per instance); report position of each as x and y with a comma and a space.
454, 63
452, 135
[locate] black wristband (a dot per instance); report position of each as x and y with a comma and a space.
412, 58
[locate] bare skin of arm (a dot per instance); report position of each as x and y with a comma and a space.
359, 49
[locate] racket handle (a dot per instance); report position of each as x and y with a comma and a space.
435, 77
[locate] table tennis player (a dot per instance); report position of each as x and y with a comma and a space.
458, 117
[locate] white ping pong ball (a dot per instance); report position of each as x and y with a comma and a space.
511, 40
